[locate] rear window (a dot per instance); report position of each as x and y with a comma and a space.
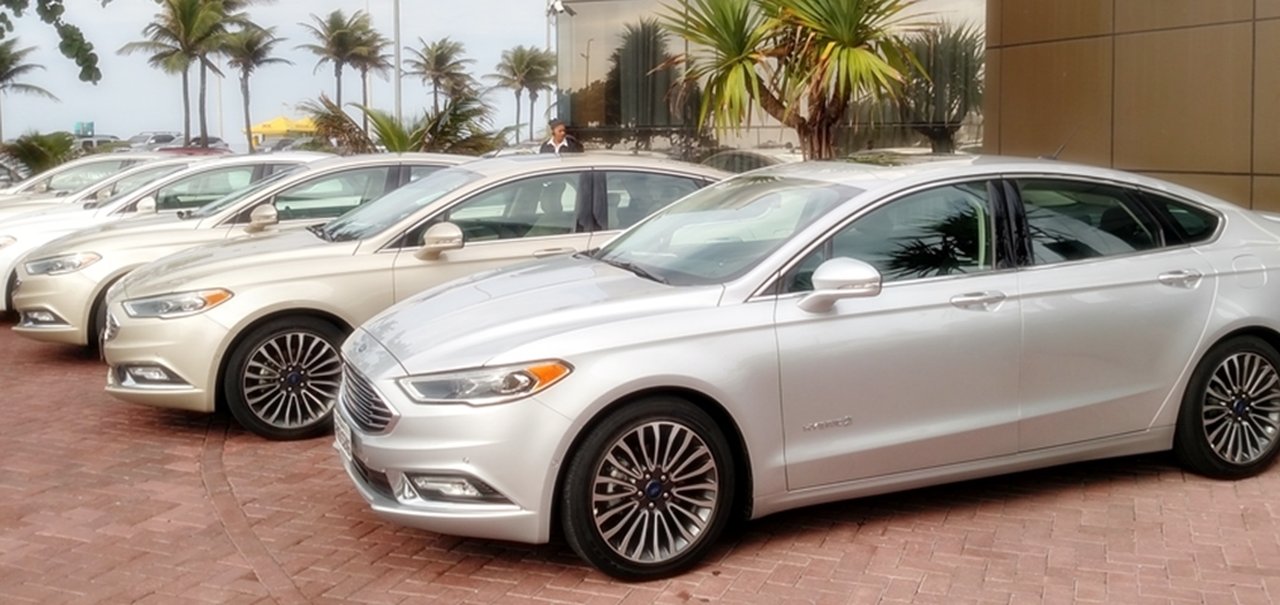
1193, 224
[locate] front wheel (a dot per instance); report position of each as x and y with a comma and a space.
1229, 423
281, 380
649, 490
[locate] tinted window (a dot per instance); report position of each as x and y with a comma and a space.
635, 195
332, 195
1194, 225
1074, 220
533, 207
417, 172
945, 231
203, 188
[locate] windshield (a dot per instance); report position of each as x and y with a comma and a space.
719, 233
385, 212
131, 183
139, 138
235, 197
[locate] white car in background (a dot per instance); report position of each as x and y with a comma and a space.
74, 175
120, 183
202, 182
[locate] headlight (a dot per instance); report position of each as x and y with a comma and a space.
6, 240
179, 304
58, 265
485, 386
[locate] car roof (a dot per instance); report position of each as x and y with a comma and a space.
377, 158
509, 164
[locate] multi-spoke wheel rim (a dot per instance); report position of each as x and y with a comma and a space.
291, 380
1242, 408
655, 491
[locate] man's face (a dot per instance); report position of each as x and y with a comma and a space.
557, 133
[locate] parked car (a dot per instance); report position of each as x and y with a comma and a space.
64, 282
202, 182
71, 176
151, 140
816, 332
118, 183
214, 143
256, 323
746, 160
89, 143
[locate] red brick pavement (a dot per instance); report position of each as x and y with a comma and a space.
101, 502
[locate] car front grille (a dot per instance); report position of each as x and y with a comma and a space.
363, 403
377, 481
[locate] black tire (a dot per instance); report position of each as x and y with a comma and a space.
8, 293
97, 321
287, 401
586, 522
1235, 390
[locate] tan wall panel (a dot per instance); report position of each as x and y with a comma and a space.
1266, 107
1266, 193
991, 104
1233, 188
994, 22
1139, 15
1043, 20
1062, 96
1268, 9
1180, 108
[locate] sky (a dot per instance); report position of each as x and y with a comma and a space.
133, 97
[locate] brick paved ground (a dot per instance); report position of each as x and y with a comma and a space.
104, 502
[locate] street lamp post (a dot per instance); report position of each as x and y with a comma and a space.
399, 75
586, 79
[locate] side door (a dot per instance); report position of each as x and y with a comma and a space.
1112, 309
518, 220
327, 196
200, 189
923, 374
625, 197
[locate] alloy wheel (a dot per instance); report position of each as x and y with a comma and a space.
291, 380
1241, 412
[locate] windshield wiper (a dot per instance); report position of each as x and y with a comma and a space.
318, 230
634, 268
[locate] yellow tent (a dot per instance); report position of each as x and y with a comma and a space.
281, 126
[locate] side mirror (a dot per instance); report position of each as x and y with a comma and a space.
838, 279
262, 217
102, 194
146, 205
41, 187
438, 239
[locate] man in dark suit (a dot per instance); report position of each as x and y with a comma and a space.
560, 141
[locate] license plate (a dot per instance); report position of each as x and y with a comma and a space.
341, 435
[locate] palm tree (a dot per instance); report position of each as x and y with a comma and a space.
338, 38
37, 153
937, 98
514, 71
370, 55
462, 125
13, 65
805, 62
246, 50
187, 29
541, 77
440, 64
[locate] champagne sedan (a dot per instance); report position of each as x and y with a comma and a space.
256, 323
813, 332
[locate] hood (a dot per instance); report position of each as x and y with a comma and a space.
11, 209
121, 233
50, 222
467, 322
206, 266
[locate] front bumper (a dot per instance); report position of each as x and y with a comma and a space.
186, 348
67, 297
509, 448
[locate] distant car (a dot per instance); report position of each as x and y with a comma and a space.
746, 160
195, 150
93, 142
291, 298
71, 176
214, 143
147, 141
71, 293
99, 191
815, 332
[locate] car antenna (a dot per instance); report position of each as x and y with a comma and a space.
1057, 152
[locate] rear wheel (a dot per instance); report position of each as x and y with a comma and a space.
281, 381
10, 285
649, 490
1229, 423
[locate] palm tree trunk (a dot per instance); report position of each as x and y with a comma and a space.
1, 120
533, 100
248, 124
204, 89
337, 76
435, 97
364, 97
186, 105
518, 116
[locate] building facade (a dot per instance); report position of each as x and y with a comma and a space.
1183, 90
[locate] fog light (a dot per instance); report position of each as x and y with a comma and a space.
41, 318
454, 488
147, 376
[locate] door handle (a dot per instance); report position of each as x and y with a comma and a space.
982, 301
1182, 278
545, 252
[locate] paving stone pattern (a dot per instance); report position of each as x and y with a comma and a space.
103, 502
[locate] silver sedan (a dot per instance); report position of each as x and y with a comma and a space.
815, 332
